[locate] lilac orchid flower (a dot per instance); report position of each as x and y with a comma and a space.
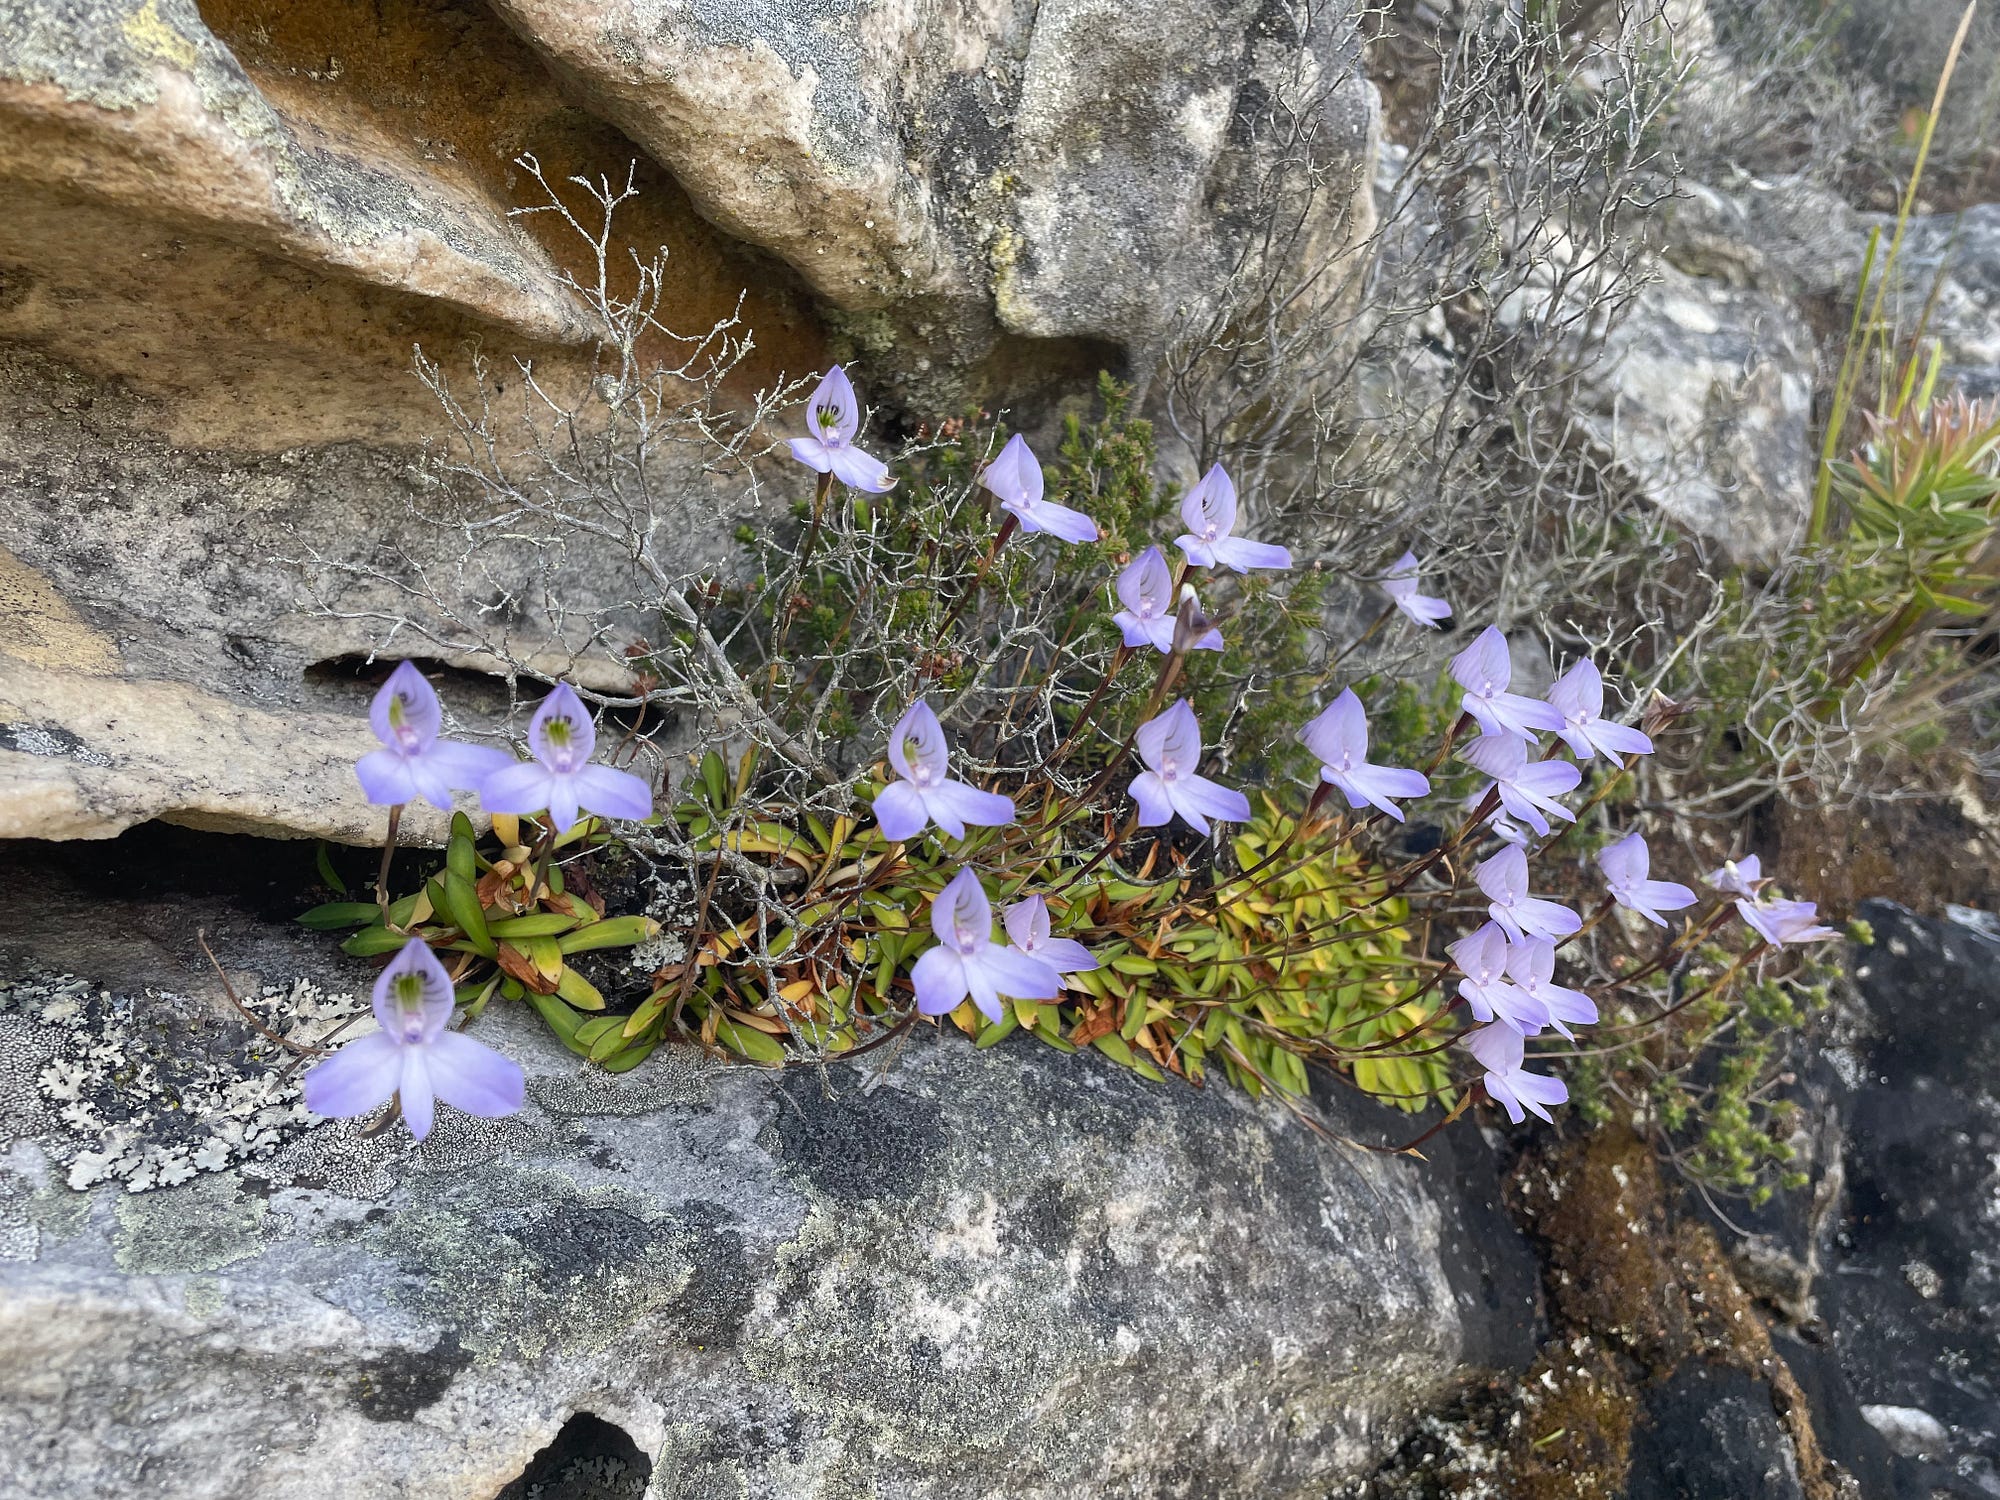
1401, 587
1504, 879
1625, 865
1783, 922
968, 962
1484, 669
413, 1057
834, 418
1170, 745
1146, 589
1501, 1052
1209, 509
1528, 789
1339, 737
413, 762
1532, 967
1482, 958
1738, 877
560, 778
1578, 697
1015, 475
1027, 924
927, 794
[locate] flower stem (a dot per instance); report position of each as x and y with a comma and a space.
388, 852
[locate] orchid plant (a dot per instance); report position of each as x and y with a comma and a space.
1151, 908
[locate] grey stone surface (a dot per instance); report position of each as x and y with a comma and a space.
1001, 1273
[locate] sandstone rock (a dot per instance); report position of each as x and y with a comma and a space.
163, 655
1072, 170
1001, 1273
137, 103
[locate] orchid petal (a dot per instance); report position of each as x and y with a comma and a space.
860, 471
1023, 976
611, 793
900, 813
812, 453
520, 788
415, 1093
1027, 922
1015, 474
1224, 804
1150, 793
405, 713
561, 734
385, 778
1242, 555
471, 1076
833, 409
359, 1077
939, 979
954, 802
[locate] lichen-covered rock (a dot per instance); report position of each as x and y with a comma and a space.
1002, 1273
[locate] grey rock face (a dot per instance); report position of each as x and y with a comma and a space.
1003, 1273
1710, 1430
1702, 397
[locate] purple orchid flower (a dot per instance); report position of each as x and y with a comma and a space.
1528, 789
1625, 865
1016, 477
413, 762
1532, 967
1027, 924
1738, 877
1209, 509
1401, 587
927, 794
968, 962
560, 778
1170, 745
413, 1057
1782, 922
1339, 737
1579, 697
1504, 879
1484, 669
1146, 589
834, 418
1482, 958
1501, 1052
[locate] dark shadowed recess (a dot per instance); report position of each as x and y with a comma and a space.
589, 1459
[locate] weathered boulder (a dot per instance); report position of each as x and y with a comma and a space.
939, 1272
